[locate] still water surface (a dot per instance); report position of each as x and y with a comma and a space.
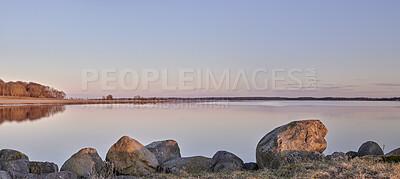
54, 133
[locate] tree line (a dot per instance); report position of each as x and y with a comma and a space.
24, 89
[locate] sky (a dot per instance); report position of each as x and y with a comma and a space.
354, 46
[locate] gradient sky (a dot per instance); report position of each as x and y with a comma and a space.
354, 45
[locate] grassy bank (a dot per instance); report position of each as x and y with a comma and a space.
356, 168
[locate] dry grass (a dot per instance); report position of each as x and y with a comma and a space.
356, 168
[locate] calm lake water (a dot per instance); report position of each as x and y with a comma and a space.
54, 133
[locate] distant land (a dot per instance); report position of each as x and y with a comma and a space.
6, 100
34, 93
29, 89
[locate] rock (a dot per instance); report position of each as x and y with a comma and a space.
352, 154
125, 177
305, 136
40, 168
314, 155
293, 156
251, 166
394, 152
9, 155
17, 168
130, 157
60, 175
4, 175
32, 176
164, 150
226, 161
86, 162
369, 148
338, 157
195, 164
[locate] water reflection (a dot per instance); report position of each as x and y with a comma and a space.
24, 113
199, 129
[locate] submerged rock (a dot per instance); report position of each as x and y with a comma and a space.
130, 157
369, 148
164, 150
86, 162
195, 164
280, 145
40, 168
394, 152
338, 156
226, 161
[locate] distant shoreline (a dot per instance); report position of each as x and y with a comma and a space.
9, 100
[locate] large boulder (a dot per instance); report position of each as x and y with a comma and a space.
298, 138
86, 162
164, 150
130, 157
369, 148
7, 155
226, 161
394, 152
40, 168
4, 175
293, 156
60, 175
195, 164
17, 168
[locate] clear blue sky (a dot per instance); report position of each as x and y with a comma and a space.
354, 45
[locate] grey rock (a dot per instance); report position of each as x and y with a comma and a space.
32, 176
225, 166
338, 157
164, 150
195, 164
4, 175
60, 175
251, 166
9, 155
394, 152
40, 168
85, 162
369, 148
125, 177
352, 154
226, 161
314, 155
17, 168
293, 140
293, 156
130, 157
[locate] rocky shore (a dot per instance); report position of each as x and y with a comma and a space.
291, 150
